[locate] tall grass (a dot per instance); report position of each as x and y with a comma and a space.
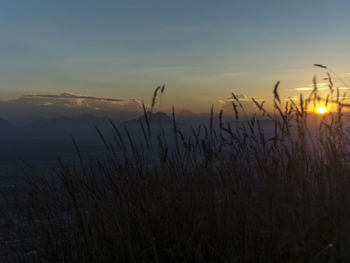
231, 192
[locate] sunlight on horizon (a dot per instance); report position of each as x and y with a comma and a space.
322, 110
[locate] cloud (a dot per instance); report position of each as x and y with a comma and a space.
246, 102
320, 86
292, 98
242, 98
304, 88
69, 104
75, 100
231, 74
73, 96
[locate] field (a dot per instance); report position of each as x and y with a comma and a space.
272, 186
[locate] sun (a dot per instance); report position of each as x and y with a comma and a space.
322, 110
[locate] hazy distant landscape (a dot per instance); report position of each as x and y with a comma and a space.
146, 179
45, 139
174, 131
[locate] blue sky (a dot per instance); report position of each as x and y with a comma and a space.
201, 50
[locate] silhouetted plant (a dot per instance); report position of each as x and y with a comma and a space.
235, 192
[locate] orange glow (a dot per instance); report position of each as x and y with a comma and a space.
322, 110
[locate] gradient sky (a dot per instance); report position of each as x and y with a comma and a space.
201, 50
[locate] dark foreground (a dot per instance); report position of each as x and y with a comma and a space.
221, 194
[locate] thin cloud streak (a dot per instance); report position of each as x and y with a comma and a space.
73, 96
81, 100
320, 86
67, 104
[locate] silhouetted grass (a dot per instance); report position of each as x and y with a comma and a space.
232, 193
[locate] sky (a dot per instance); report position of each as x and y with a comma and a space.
200, 50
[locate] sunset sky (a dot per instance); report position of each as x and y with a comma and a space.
201, 50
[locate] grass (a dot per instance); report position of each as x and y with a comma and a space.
222, 194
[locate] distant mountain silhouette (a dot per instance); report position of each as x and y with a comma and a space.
153, 118
62, 122
191, 117
157, 116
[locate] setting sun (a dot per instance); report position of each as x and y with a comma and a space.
322, 110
